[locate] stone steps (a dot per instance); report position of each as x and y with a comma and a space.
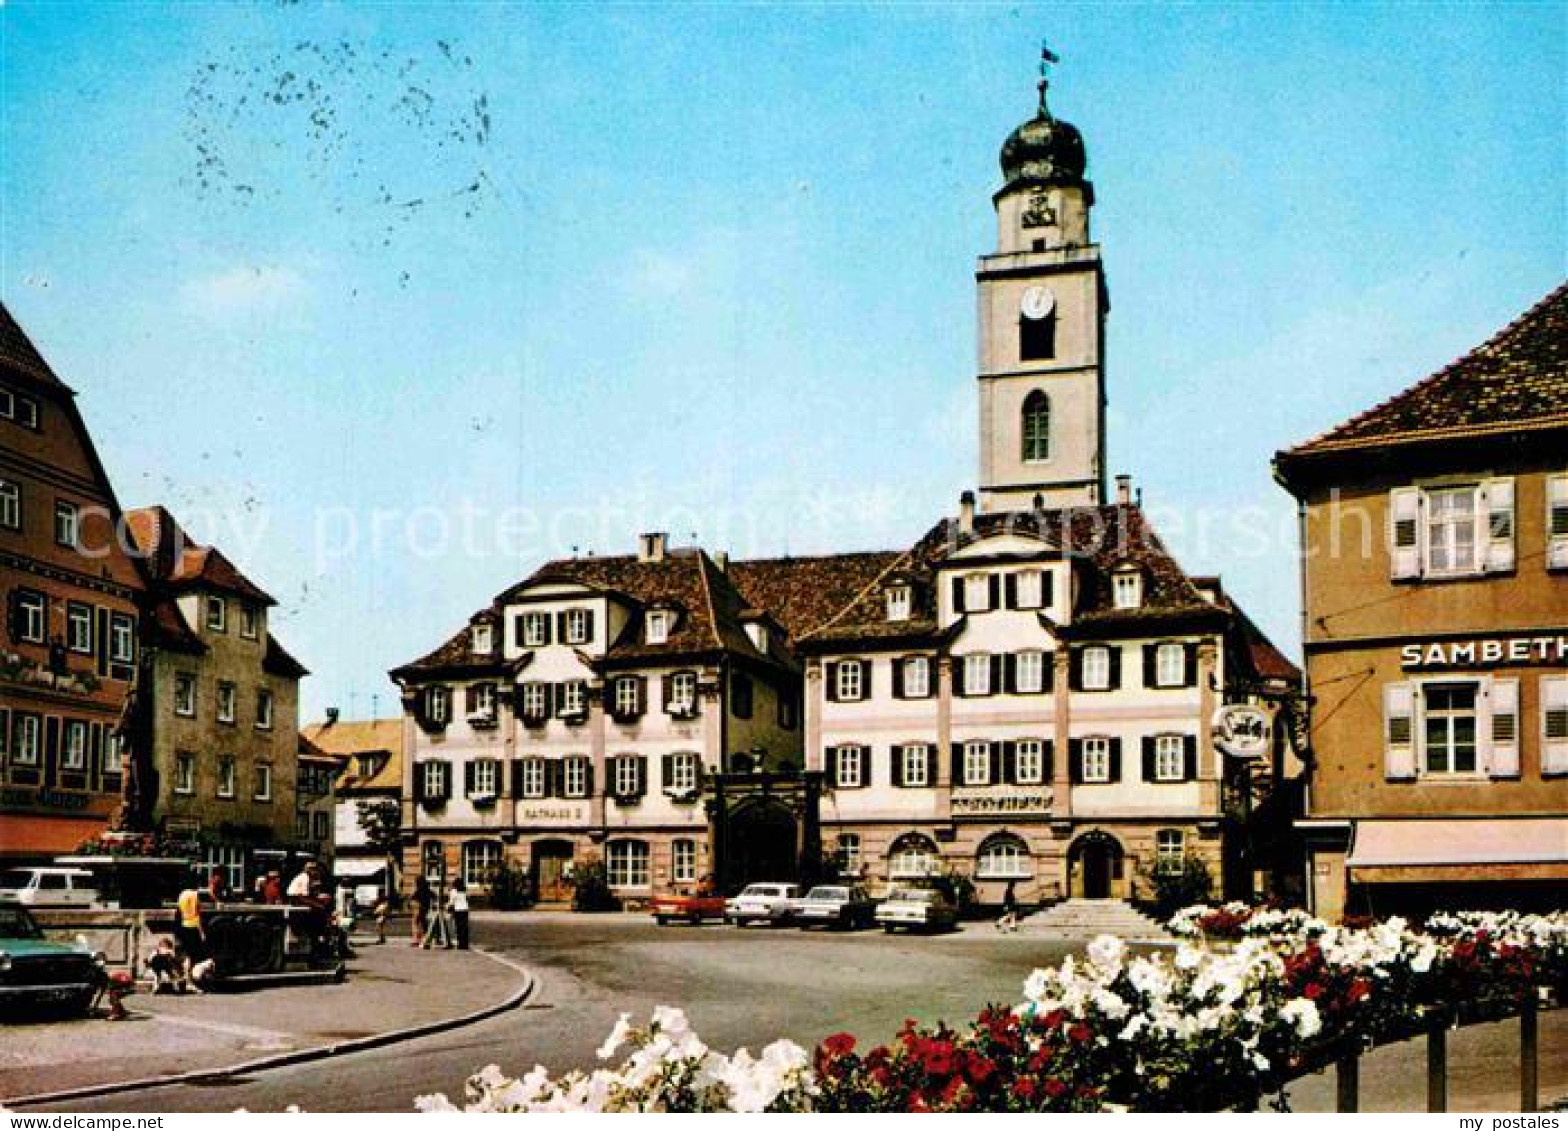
1086, 918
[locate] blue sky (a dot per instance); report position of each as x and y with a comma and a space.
393, 301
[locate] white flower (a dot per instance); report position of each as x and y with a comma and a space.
617, 1037
1106, 954
1303, 1014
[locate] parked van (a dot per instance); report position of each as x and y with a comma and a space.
50, 887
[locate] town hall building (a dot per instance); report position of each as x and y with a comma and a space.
1025, 694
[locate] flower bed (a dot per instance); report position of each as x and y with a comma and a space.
1199, 1030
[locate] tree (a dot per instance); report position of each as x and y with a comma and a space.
381, 820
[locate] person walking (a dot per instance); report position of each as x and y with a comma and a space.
457, 904
421, 901
1008, 923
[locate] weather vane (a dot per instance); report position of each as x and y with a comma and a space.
1047, 58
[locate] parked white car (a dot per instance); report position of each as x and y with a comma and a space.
762, 903
50, 887
916, 909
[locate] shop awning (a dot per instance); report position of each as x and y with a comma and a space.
354, 868
1460, 849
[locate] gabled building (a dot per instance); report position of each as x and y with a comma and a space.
581, 714
1434, 531
224, 705
368, 768
1027, 697
72, 595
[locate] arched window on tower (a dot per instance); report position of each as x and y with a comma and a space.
1037, 427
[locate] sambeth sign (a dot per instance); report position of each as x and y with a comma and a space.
1550, 648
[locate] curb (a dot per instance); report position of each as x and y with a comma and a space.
300, 1056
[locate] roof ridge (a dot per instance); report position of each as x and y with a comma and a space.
1409, 391
703, 562
856, 599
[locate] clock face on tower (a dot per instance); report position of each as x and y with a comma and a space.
1037, 303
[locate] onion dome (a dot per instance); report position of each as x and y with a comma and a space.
1044, 151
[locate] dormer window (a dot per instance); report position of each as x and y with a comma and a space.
482, 639
977, 593
898, 603
579, 626
217, 614
535, 630
1127, 589
658, 626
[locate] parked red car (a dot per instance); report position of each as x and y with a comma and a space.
687, 908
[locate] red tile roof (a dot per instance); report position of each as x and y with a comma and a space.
835, 601
1517, 380
177, 562
19, 355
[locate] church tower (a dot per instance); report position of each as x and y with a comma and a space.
1042, 309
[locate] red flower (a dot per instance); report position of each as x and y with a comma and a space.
1024, 1088
1055, 1088
839, 1044
1079, 1033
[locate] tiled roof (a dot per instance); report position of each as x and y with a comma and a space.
1104, 537
17, 352
175, 561
346, 738
804, 594
710, 612
278, 661
838, 599
1518, 379
170, 628
308, 750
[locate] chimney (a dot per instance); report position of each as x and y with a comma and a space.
651, 547
1123, 490
966, 513
332, 715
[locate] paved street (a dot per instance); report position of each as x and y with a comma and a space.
747, 988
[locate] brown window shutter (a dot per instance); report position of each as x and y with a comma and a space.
1116, 759
560, 627
1002, 761
469, 772
1148, 664
642, 695
1116, 666
1190, 757
1047, 588
1008, 683
1048, 762
898, 677
588, 777
993, 584
830, 678
958, 764
1148, 758
1075, 669
1010, 591
866, 763
588, 622
958, 595
1075, 760
667, 770
1190, 665
642, 775
832, 764
958, 677
897, 755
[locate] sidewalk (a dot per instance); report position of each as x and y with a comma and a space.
390, 987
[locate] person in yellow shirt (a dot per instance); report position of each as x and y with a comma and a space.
190, 931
